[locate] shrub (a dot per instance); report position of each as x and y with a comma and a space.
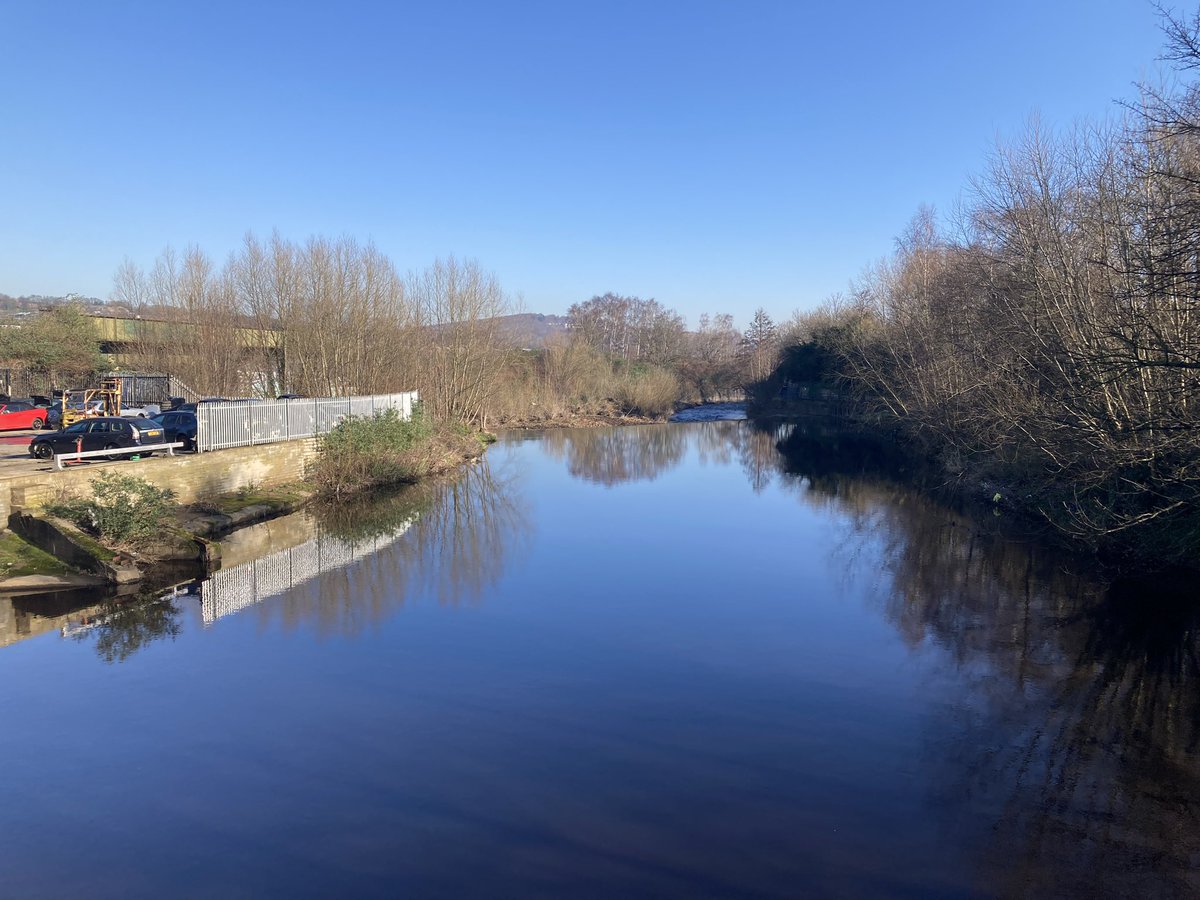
123, 509
649, 390
381, 433
383, 449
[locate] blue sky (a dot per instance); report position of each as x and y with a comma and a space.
717, 156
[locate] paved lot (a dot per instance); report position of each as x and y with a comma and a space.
14, 454
15, 459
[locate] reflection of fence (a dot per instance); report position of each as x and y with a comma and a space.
241, 423
231, 590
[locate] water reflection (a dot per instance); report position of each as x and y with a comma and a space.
612, 456
1078, 721
347, 568
338, 569
118, 630
24, 617
794, 675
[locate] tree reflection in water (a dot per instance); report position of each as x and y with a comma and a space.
120, 629
458, 536
1077, 728
612, 456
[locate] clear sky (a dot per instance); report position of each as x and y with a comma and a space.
712, 155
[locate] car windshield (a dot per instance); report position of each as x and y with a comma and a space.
160, 421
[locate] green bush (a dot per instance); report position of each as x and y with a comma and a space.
382, 432
383, 449
123, 509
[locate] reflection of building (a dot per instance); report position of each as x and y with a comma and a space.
238, 587
28, 616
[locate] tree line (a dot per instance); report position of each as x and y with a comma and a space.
626, 354
331, 317
1050, 342
325, 317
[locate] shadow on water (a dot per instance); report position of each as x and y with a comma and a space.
1073, 728
1081, 732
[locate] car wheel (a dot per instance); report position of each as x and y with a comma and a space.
110, 446
43, 451
36, 424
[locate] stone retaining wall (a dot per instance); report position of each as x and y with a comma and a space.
193, 476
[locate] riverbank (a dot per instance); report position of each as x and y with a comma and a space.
579, 421
682, 412
864, 445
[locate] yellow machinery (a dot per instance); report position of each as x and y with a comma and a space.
78, 405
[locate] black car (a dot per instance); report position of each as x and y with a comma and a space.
101, 433
178, 425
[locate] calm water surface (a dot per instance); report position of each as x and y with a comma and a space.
669, 661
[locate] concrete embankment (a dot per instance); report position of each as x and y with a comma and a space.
191, 476
194, 477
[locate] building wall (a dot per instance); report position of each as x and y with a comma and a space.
194, 476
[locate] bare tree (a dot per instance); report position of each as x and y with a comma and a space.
629, 328
457, 305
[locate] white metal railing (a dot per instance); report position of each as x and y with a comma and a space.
145, 449
243, 423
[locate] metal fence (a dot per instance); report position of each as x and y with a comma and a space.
243, 423
140, 388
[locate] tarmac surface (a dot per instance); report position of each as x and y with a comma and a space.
15, 459
14, 454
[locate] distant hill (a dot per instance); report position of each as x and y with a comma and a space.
531, 330
31, 303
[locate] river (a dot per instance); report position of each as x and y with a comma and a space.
704, 659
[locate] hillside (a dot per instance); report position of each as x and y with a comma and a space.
532, 330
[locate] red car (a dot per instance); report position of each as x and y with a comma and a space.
16, 414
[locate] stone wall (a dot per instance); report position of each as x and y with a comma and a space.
193, 476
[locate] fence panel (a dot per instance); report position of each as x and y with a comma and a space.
242, 423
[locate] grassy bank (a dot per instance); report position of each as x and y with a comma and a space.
19, 558
365, 453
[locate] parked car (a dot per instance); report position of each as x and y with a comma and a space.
191, 407
178, 425
149, 411
101, 433
17, 414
